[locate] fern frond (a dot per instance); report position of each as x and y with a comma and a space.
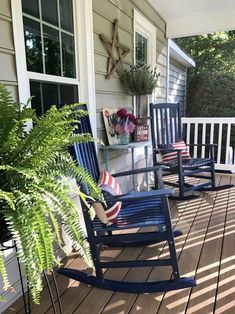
33, 199
6, 284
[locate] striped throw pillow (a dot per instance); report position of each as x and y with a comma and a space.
109, 186
172, 156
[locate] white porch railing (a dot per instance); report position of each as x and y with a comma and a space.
220, 131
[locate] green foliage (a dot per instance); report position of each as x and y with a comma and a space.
210, 85
140, 80
211, 52
33, 198
211, 95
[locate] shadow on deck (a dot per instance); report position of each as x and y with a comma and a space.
205, 250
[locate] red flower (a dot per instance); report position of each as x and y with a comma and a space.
122, 113
131, 117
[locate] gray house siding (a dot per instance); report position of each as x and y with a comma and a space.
177, 82
8, 74
110, 93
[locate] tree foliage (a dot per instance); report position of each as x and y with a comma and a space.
210, 90
211, 95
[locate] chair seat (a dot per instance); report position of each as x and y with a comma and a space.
192, 163
145, 213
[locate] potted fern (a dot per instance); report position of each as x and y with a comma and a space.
33, 199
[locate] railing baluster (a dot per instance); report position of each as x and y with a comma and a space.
219, 143
195, 140
203, 139
228, 142
213, 122
188, 133
212, 133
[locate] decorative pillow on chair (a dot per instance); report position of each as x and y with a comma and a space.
107, 213
172, 156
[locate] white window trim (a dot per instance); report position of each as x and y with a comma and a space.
84, 31
148, 30
86, 58
20, 55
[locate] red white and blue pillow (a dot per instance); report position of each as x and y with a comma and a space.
168, 156
107, 213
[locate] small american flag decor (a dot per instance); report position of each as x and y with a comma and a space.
141, 133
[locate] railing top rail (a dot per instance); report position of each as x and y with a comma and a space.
209, 120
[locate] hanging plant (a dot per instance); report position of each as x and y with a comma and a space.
33, 199
140, 80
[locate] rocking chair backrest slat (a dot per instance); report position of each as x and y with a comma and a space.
166, 123
85, 153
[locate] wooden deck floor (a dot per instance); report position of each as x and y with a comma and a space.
205, 250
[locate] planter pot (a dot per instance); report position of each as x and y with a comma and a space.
141, 106
124, 139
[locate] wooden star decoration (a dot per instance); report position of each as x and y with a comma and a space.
114, 64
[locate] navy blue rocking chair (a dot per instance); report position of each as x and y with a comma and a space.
139, 210
166, 129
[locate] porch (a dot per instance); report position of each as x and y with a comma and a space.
206, 249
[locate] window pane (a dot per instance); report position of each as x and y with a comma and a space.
30, 7
140, 49
51, 51
33, 45
68, 55
50, 95
49, 11
36, 102
68, 94
66, 15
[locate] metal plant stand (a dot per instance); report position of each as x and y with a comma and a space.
26, 297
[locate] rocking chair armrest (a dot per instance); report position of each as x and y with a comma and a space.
208, 145
138, 196
140, 170
159, 150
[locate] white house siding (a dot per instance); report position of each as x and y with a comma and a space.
177, 83
110, 93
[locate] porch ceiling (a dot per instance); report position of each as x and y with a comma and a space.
193, 17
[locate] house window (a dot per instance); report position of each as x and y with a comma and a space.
46, 94
144, 40
140, 49
145, 44
50, 52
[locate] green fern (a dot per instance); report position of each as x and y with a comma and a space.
33, 200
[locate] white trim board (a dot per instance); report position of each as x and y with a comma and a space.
86, 57
179, 55
148, 30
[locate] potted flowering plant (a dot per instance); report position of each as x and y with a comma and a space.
125, 125
120, 124
140, 80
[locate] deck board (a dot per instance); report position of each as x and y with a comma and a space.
206, 249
